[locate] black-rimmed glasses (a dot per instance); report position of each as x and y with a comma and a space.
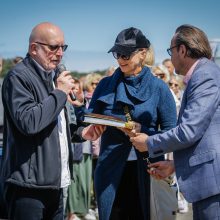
122, 56
169, 50
54, 47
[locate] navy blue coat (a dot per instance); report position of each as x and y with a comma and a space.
152, 105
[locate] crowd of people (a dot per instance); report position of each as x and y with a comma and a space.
54, 166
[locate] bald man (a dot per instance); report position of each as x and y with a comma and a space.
35, 164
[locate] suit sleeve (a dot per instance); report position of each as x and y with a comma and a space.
202, 95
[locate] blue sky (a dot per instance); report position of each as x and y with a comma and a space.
91, 26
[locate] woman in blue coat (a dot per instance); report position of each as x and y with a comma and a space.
121, 181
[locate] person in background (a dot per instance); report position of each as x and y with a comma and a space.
1, 65
1, 109
91, 82
72, 119
169, 65
79, 192
16, 60
131, 93
176, 86
110, 71
3, 213
195, 140
161, 72
36, 146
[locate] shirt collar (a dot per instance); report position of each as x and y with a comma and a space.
188, 75
40, 67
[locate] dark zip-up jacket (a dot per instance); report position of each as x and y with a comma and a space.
31, 148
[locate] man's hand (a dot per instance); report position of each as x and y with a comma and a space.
65, 82
93, 132
161, 169
139, 141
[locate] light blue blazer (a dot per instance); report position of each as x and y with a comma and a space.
196, 139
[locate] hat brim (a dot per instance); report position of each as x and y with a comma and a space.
122, 49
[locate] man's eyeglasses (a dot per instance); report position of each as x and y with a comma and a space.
169, 50
124, 57
54, 47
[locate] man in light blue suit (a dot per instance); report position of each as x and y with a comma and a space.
195, 140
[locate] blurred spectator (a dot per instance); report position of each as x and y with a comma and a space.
110, 71
176, 86
79, 192
169, 65
17, 60
161, 72
1, 109
90, 83
1, 64
3, 213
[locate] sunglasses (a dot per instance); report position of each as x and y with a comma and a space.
176, 85
122, 56
94, 83
54, 48
160, 75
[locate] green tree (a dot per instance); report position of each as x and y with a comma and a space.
7, 65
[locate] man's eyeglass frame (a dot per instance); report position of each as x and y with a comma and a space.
169, 50
53, 48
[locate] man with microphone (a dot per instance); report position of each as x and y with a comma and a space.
36, 154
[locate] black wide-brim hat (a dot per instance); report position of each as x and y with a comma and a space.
129, 40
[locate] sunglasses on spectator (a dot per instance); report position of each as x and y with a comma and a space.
176, 85
94, 83
54, 48
160, 75
122, 56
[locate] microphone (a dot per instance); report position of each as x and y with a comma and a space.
60, 68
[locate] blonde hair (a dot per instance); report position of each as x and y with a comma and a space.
179, 80
90, 78
150, 57
162, 69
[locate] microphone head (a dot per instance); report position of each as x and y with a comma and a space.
61, 67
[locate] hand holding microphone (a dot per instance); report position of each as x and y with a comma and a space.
65, 82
